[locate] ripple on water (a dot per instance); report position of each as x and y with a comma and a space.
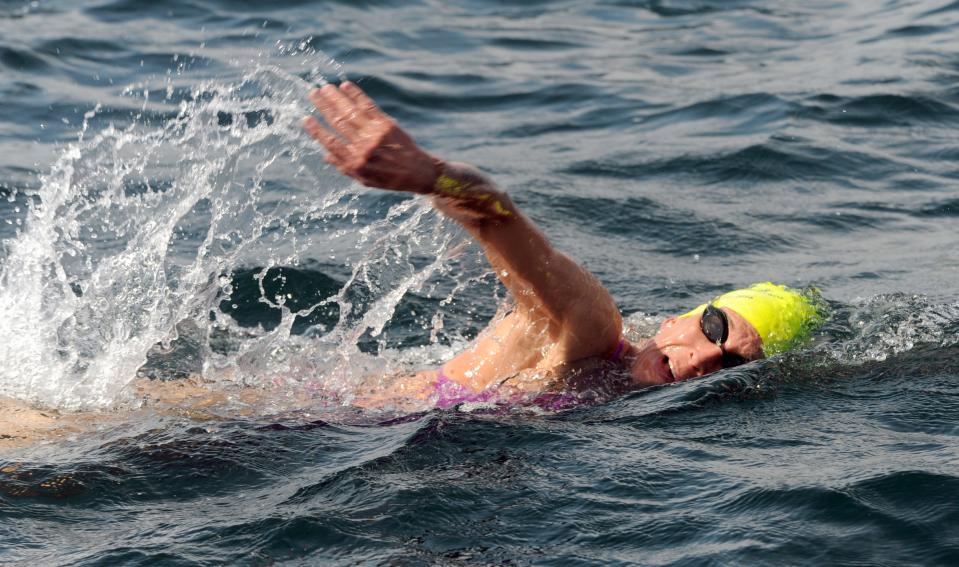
880, 110
22, 60
664, 229
648, 130
779, 159
116, 11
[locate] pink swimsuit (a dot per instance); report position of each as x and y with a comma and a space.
449, 393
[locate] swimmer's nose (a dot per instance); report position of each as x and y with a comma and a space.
705, 360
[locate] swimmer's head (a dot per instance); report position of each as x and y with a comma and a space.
782, 316
736, 327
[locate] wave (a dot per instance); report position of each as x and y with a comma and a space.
779, 159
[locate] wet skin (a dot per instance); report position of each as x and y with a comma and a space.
680, 350
562, 313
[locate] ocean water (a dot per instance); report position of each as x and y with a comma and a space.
162, 216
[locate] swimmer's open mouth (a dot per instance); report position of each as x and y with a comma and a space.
666, 371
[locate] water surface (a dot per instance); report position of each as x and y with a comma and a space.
163, 216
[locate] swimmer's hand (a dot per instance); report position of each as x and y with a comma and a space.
365, 143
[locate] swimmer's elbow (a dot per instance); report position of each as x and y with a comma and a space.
589, 308
592, 329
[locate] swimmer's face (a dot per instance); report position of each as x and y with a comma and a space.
681, 350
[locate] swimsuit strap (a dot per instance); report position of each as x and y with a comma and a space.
618, 353
449, 393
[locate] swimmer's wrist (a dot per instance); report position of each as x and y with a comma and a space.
439, 169
469, 195
447, 181
458, 181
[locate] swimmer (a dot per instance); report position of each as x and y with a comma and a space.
562, 315
563, 319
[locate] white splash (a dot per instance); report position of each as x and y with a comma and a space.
138, 229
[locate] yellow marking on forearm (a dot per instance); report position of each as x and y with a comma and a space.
501, 210
449, 186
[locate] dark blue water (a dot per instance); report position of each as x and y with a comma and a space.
677, 148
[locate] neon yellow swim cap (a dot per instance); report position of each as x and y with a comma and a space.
782, 316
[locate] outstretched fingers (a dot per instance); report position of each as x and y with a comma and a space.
337, 109
366, 144
338, 152
363, 104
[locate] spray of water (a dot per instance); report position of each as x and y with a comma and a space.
154, 240
139, 231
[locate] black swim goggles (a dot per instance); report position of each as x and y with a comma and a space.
715, 326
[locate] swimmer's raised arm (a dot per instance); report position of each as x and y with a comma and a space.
367, 145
